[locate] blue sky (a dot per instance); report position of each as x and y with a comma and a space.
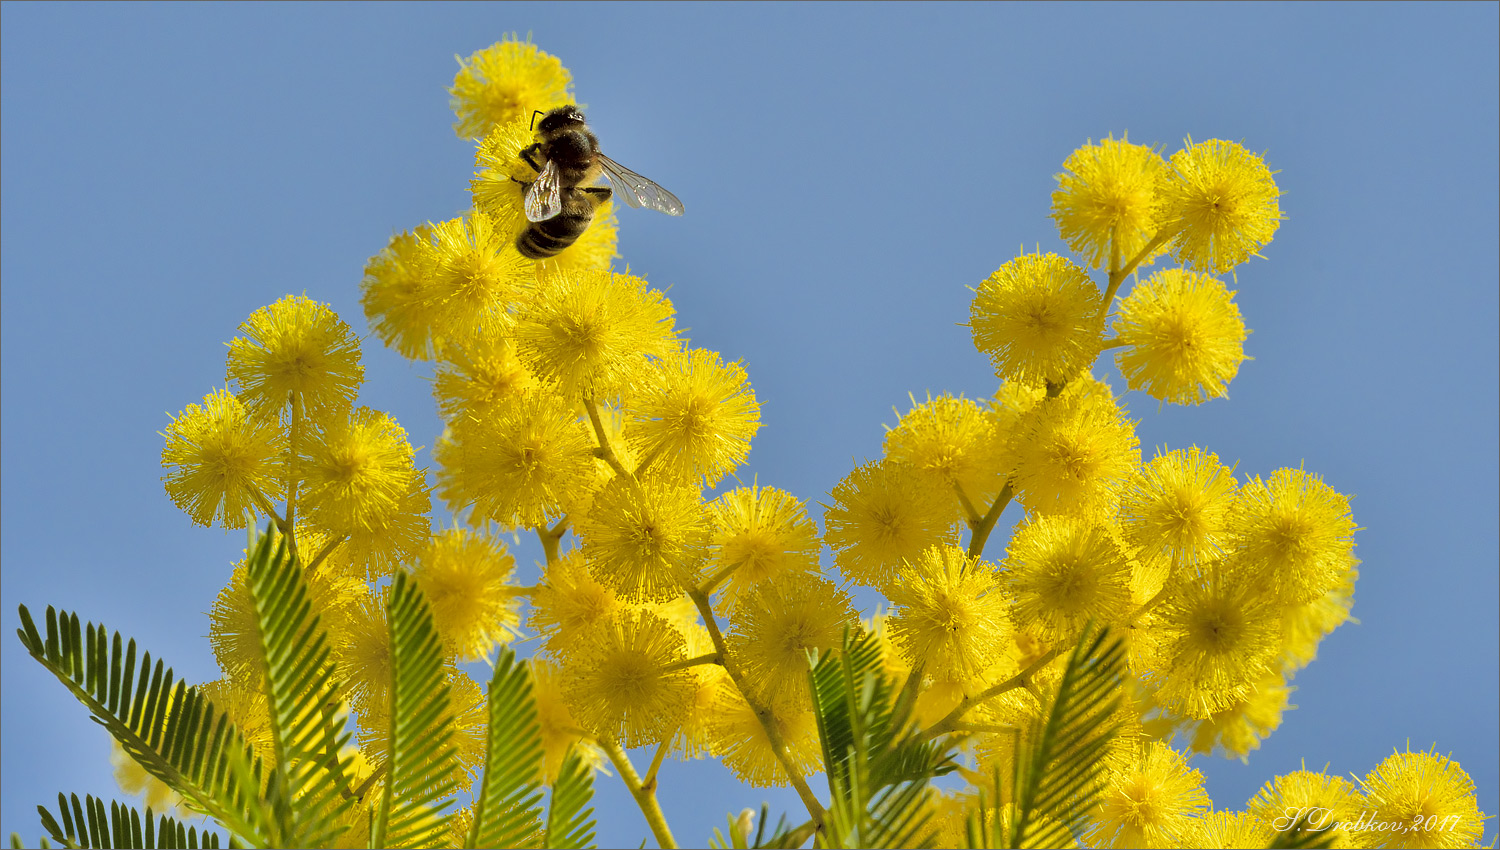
849, 171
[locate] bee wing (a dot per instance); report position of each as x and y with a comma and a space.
639, 191
544, 196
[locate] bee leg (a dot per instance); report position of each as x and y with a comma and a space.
600, 190
527, 153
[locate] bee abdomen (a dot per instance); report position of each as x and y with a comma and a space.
549, 238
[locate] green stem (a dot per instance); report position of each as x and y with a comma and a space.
1117, 277
1150, 603
550, 538
710, 658
293, 437
270, 509
762, 713
325, 552
1021, 679
970, 513
645, 796
981, 531
718, 578
655, 768
604, 450
640, 468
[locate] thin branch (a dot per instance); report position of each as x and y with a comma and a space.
710, 658
270, 509
604, 450
292, 479
325, 552
550, 537
762, 713
655, 768
981, 532
718, 578
640, 468
1021, 679
645, 797
971, 514
1118, 277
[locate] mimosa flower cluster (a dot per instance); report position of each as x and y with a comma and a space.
676, 612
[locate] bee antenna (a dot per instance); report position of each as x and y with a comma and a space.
534, 114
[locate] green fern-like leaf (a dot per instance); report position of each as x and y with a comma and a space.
307, 732
422, 755
175, 734
1057, 770
878, 767
570, 823
506, 810
783, 836
90, 824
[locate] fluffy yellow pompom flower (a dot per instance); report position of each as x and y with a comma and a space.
397, 293
560, 732
363, 655
233, 631
1229, 830
1152, 801
590, 331
1177, 506
477, 275
464, 575
505, 82
463, 714
1183, 336
1240, 728
883, 514
692, 416
1038, 318
499, 190
356, 471
248, 709
1330, 803
480, 378
1105, 203
596, 248
1216, 638
1222, 203
617, 684
393, 539
501, 175
694, 737
1294, 533
222, 464
518, 467
1421, 800
777, 623
296, 351
567, 600
135, 779
645, 540
740, 739
951, 615
468, 718
1064, 571
1304, 626
952, 442
759, 533
1073, 454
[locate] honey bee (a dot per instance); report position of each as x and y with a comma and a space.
560, 203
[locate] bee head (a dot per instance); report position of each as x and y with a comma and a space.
561, 118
